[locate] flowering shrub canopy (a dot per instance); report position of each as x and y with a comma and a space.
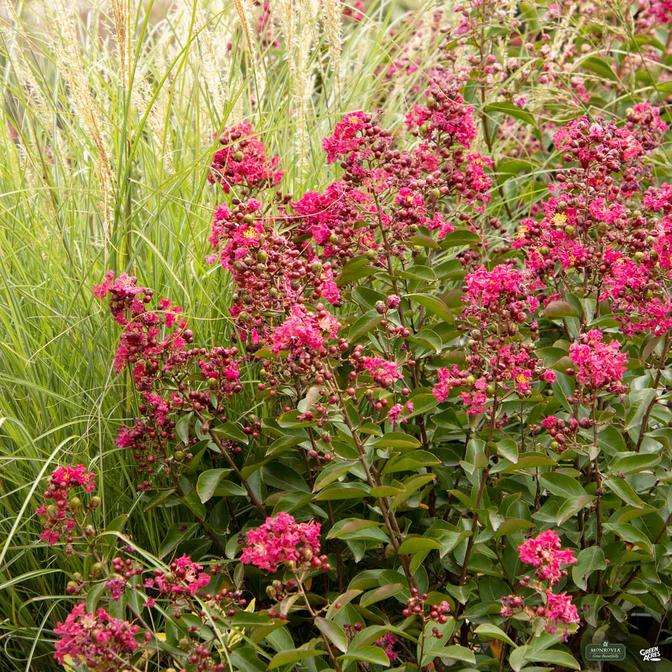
454, 446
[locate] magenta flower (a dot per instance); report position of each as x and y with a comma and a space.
448, 378
281, 540
546, 554
329, 289
96, 640
558, 613
447, 116
304, 331
598, 364
186, 577
347, 136
331, 218
560, 609
383, 372
502, 288
243, 161
59, 513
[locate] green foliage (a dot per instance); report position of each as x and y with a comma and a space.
436, 505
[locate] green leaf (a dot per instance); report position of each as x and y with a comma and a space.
363, 326
367, 296
231, 431
611, 440
162, 497
396, 440
414, 544
411, 485
412, 461
571, 507
332, 472
527, 461
290, 420
509, 166
251, 618
633, 463
175, 536
378, 594
422, 403
192, 501
562, 485
558, 309
339, 491
182, 427
333, 632
208, 482
510, 110
293, 656
640, 400
458, 652
349, 525
555, 657
623, 489
600, 67
419, 272
356, 528
355, 269
631, 534
518, 658
508, 448
371, 633
491, 631
368, 654
588, 561
434, 305
459, 238
341, 601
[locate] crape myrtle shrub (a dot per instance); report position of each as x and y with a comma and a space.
454, 452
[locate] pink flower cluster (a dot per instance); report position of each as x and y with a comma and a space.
593, 230
333, 220
348, 136
388, 643
185, 577
602, 147
654, 13
271, 272
557, 611
59, 514
243, 162
448, 379
382, 371
598, 364
124, 570
386, 195
143, 343
545, 553
445, 117
498, 309
283, 541
396, 412
171, 376
502, 289
95, 640
637, 282
304, 332
562, 431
